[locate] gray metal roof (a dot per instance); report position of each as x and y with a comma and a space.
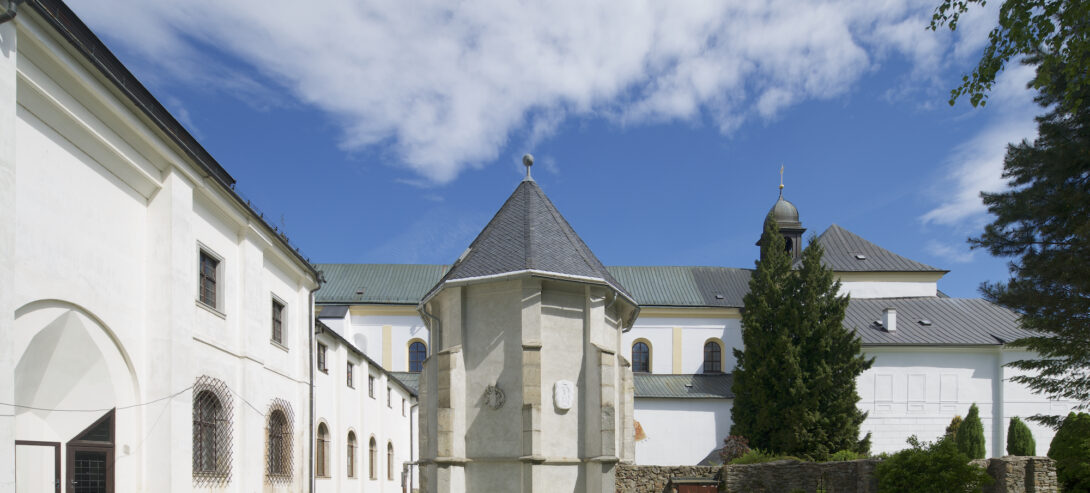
954, 321
685, 286
700, 386
332, 311
380, 283
843, 249
528, 233
410, 380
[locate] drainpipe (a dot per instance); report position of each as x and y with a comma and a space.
310, 381
9, 14
412, 449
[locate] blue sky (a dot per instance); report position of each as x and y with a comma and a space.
391, 131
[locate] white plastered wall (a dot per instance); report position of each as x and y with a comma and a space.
107, 218
343, 408
681, 432
917, 391
693, 333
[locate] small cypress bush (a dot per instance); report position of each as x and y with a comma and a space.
970, 435
1070, 449
930, 467
952, 428
1020, 439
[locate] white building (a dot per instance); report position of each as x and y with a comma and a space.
156, 334
934, 355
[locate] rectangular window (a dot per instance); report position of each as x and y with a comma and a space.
277, 322
351, 378
402, 407
371, 386
321, 358
389, 397
209, 274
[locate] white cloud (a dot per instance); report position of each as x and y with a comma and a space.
977, 165
957, 253
447, 85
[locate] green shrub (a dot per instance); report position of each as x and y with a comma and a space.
970, 435
1020, 439
844, 455
952, 428
930, 468
755, 456
1071, 450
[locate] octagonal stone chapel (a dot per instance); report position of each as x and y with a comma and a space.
527, 389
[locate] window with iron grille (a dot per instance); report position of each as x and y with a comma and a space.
641, 358
418, 352
321, 452
209, 274
351, 454
390, 461
371, 386
278, 446
277, 322
372, 458
713, 357
351, 376
321, 358
212, 408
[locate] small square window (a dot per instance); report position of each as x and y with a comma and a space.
277, 322
351, 377
209, 279
321, 358
371, 386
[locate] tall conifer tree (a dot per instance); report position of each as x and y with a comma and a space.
794, 385
768, 378
831, 360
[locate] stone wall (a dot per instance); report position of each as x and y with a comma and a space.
1021, 474
653, 479
788, 475
1012, 475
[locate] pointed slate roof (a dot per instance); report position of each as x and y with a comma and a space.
529, 234
848, 252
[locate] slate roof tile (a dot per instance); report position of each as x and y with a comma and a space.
843, 248
699, 386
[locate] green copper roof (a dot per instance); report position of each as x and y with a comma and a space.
377, 283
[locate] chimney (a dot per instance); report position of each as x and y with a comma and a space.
889, 319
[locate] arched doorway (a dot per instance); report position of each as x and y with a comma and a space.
70, 377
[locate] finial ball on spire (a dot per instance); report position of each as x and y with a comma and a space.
527, 160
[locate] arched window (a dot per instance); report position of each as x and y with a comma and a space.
211, 432
207, 415
278, 426
641, 357
351, 454
278, 449
417, 353
372, 459
713, 357
390, 461
321, 452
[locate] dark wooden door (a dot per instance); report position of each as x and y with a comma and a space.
91, 458
90, 469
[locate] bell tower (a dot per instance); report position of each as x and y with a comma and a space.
787, 219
